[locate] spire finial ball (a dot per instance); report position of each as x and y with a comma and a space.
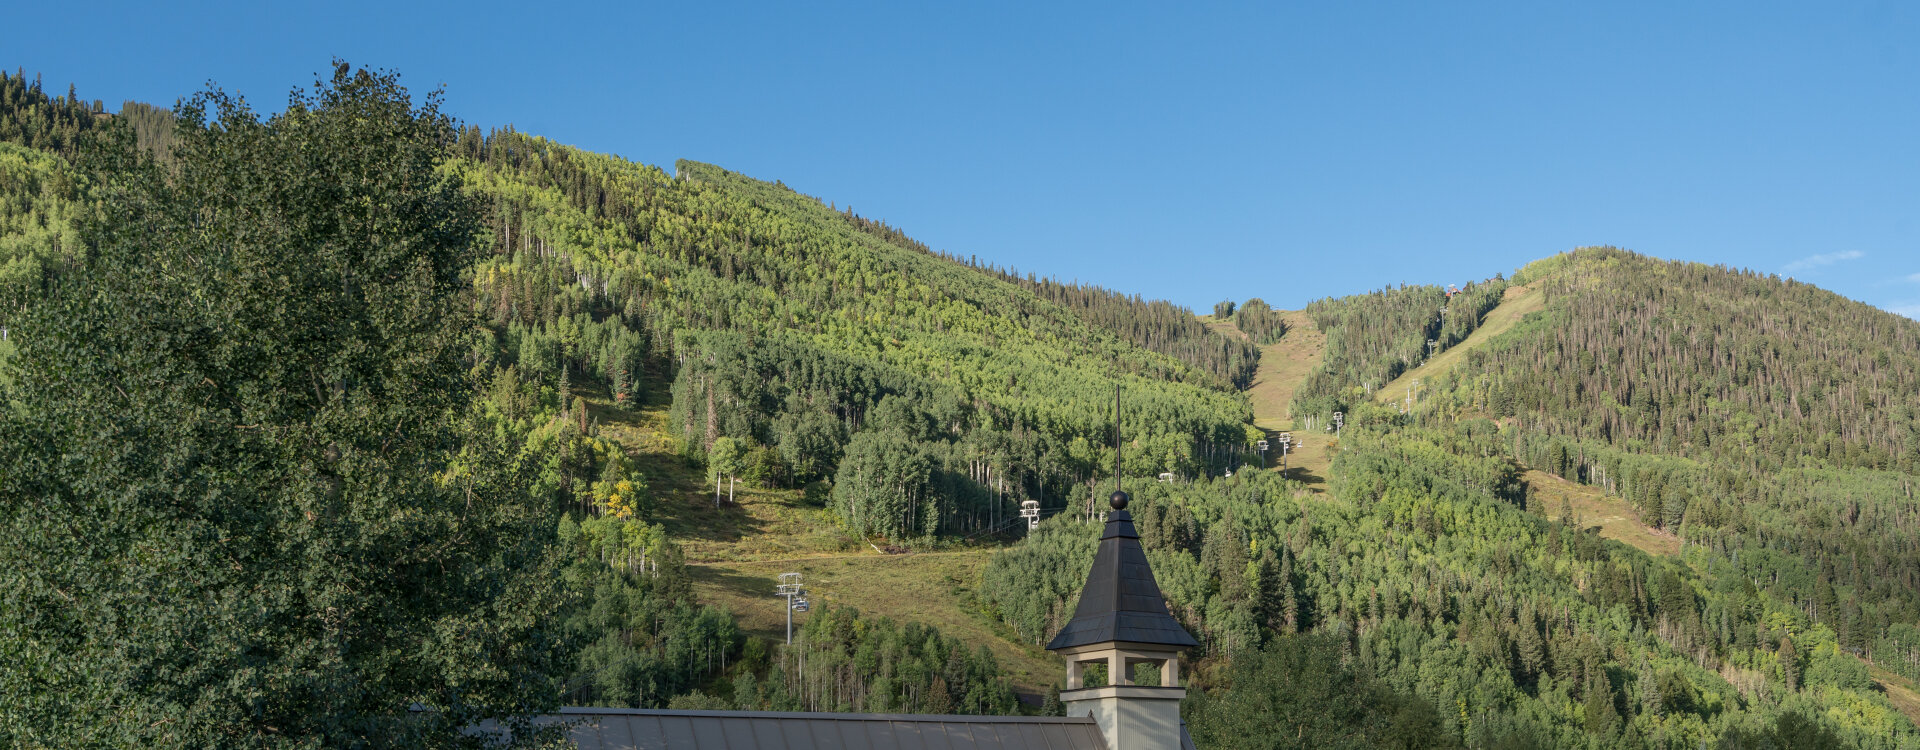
1118, 501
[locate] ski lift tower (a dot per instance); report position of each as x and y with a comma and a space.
1030, 510
1286, 442
1339, 421
1262, 446
794, 592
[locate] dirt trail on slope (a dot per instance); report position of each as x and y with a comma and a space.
1518, 302
1284, 366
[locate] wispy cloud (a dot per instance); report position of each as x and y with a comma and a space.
1914, 278
1910, 310
1823, 259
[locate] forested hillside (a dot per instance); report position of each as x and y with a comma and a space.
457, 376
1764, 419
41, 194
1426, 564
790, 324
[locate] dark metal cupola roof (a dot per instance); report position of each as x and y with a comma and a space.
1121, 601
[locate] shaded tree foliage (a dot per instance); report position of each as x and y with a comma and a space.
1301, 692
255, 398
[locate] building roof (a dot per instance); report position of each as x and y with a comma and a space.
1121, 602
646, 729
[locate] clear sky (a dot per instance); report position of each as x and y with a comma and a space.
1189, 153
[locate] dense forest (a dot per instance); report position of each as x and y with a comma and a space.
1773, 424
359, 474
31, 117
1428, 572
248, 498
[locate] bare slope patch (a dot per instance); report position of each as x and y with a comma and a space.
1555, 498
1899, 691
934, 588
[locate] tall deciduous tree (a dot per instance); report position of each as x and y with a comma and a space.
882, 486
723, 460
244, 504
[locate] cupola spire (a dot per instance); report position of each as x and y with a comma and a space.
1122, 621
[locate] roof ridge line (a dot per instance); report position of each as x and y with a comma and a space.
821, 715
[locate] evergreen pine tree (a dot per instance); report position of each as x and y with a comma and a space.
1789, 664
1602, 718
1051, 705
1528, 646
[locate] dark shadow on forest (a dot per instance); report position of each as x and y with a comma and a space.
696, 518
732, 580
1299, 474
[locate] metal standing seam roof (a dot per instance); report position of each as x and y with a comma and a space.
1121, 601
646, 729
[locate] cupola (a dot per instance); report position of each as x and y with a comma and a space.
1122, 621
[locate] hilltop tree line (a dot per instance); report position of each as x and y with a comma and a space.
1374, 337
1731, 367
1156, 325
35, 119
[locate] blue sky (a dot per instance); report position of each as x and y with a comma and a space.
1193, 153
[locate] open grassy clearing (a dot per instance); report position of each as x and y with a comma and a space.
935, 588
1284, 365
1547, 495
1223, 327
735, 551
1899, 691
1518, 302
759, 524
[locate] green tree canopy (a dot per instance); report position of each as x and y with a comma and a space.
1300, 692
243, 503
